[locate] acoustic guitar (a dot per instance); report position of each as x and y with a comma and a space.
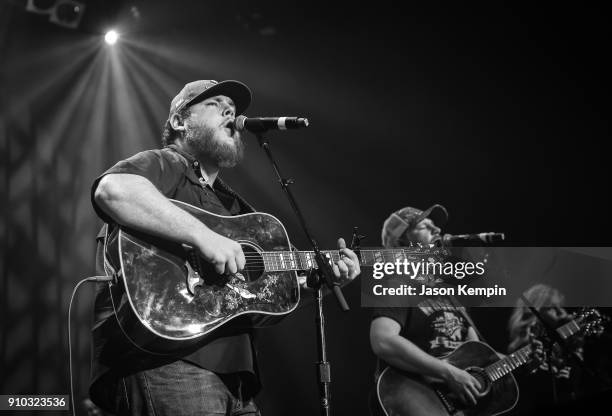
402, 393
168, 299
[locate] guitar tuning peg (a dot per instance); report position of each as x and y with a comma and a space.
356, 240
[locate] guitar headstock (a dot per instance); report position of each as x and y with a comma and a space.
591, 321
439, 253
356, 242
428, 253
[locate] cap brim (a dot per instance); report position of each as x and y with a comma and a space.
236, 90
437, 213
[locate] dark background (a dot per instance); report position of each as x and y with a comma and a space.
499, 113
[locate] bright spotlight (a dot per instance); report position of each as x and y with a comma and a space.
111, 37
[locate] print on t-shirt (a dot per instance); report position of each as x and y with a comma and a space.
446, 326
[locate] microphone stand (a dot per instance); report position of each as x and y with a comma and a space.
323, 275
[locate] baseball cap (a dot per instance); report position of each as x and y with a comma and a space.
199, 90
407, 218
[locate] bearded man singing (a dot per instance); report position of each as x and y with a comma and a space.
199, 138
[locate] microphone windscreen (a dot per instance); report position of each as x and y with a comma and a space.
239, 123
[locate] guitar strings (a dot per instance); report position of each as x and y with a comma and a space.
300, 260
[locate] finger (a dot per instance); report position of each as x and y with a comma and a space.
470, 397
350, 263
344, 270
475, 389
347, 258
351, 260
476, 384
240, 261
219, 267
231, 267
351, 272
336, 270
356, 270
346, 252
341, 243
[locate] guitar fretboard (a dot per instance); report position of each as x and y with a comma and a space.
521, 356
569, 329
304, 260
508, 364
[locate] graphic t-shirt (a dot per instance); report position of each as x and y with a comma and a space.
435, 325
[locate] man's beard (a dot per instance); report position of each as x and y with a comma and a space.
206, 146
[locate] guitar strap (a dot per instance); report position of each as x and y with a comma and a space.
244, 205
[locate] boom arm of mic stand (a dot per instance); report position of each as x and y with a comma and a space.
324, 269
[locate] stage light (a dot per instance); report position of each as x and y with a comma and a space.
111, 37
67, 13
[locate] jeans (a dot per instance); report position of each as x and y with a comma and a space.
181, 389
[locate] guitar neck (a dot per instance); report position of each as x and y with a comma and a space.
305, 260
570, 328
521, 356
508, 364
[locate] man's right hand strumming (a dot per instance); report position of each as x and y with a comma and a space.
463, 384
225, 254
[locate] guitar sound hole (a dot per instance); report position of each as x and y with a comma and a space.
482, 378
254, 267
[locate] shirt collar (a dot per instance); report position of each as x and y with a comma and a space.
195, 173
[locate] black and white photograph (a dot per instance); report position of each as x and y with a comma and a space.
275, 208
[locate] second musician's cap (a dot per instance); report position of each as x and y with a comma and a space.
407, 218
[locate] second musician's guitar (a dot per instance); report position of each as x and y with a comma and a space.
402, 393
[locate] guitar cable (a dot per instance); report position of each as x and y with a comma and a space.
95, 279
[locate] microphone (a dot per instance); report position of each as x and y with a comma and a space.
487, 238
261, 124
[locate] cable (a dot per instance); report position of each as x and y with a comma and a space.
87, 279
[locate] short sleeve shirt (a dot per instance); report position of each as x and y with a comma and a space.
176, 175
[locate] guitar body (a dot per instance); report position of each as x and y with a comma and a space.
405, 394
169, 300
